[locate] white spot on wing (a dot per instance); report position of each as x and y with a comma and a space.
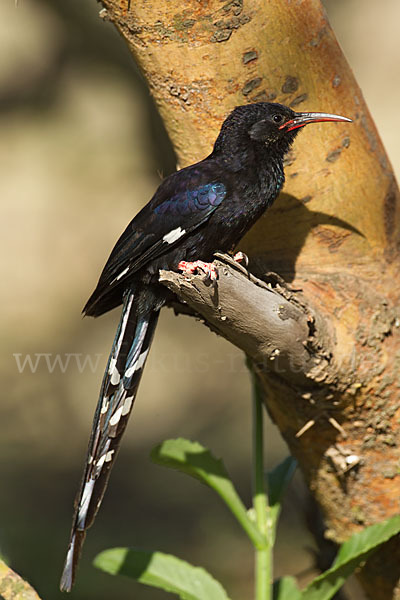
122, 274
85, 501
115, 418
119, 276
174, 235
100, 462
109, 455
115, 377
142, 359
131, 370
68, 564
127, 406
138, 364
111, 368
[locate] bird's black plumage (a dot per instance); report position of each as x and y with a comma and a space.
203, 208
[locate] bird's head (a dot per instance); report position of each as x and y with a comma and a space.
267, 123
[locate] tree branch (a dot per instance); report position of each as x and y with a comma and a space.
274, 327
13, 587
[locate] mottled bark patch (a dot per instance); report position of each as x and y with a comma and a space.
249, 56
334, 155
299, 100
250, 85
390, 209
331, 238
290, 85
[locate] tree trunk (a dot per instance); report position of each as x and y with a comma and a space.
333, 234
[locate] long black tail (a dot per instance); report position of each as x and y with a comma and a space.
118, 391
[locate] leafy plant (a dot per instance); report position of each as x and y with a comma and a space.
259, 522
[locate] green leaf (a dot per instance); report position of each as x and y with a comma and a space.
277, 482
286, 588
191, 458
279, 478
195, 460
368, 539
353, 552
162, 571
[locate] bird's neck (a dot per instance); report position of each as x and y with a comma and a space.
242, 156
268, 169
259, 164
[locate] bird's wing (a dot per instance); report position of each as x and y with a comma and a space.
182, 203
176, 217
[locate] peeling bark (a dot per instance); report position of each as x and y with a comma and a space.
334, 233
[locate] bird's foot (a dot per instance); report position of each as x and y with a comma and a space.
188, 268
241, 258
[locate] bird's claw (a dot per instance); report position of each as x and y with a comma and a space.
241, 258
188, 268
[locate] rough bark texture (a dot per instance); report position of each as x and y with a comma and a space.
333, 233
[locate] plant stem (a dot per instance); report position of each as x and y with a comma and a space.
263, 563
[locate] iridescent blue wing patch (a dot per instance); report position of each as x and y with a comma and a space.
181, 214
161, 224
199, 202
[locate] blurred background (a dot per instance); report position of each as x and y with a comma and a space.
81, 150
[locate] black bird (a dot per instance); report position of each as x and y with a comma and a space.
203, 208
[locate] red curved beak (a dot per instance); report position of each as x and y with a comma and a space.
302, 119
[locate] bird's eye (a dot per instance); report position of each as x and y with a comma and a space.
277, 118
